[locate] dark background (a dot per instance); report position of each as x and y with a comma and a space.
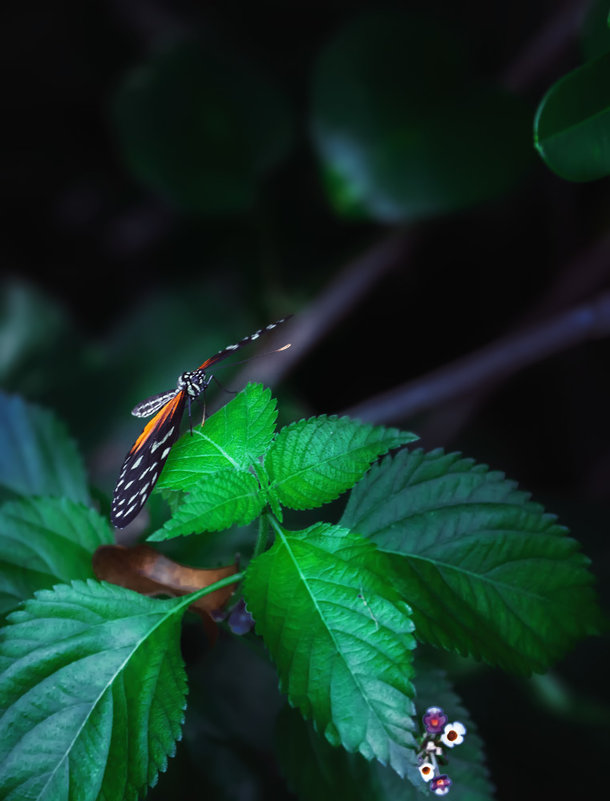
110, 288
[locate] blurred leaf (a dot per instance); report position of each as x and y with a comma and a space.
595, 33
44, 541
485, 570
401, 129
311, 462
37, 456
317, 771
340, 636
144, 357
202, 126
572, 125
92, 693
227, 745
30, 324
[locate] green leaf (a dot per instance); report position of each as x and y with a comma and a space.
227, 498
401, 128
233, 437
44, 541
228, 734
37, 456
467, 767
92, 693
202, 126
485, 570
340, 637
313, 461
572, 125
318, 772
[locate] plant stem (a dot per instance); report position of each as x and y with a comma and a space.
263, 536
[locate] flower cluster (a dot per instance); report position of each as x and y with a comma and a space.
438, 735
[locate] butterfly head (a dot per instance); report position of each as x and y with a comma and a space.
194, 382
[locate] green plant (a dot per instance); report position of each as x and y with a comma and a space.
430, 547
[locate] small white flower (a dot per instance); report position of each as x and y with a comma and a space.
426, 770
453, 734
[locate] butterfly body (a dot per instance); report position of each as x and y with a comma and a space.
145, 460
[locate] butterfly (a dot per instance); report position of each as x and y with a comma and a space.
145, 460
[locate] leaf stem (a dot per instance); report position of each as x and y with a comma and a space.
263, 535
217, 585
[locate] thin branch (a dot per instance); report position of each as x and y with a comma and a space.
584, 276
492, 363
543, 50
336, 301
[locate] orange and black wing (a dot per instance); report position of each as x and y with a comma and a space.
145, 460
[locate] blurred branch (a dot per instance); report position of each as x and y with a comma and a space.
491, 363
584, 276
353, 283
337, 300
538, 56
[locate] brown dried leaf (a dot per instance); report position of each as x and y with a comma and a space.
144, 570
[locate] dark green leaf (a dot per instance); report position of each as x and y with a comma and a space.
340, 637
92, 693
319, 772
228, 732
37, 456
44, 541
466, 767
313, 461
233, 437
202, 126
401, 129
227, 498
572, 125
485, 570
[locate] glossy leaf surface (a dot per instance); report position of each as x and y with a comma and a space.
340, 637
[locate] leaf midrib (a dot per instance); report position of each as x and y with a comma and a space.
111, 681
338, 650
308, 468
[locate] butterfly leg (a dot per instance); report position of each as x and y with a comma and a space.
224, 389
190, 418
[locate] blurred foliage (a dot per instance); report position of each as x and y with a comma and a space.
596, 30
405, 130
201, 125
572, 125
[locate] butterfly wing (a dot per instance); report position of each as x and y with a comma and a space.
151, 405
145, 460
225, 352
